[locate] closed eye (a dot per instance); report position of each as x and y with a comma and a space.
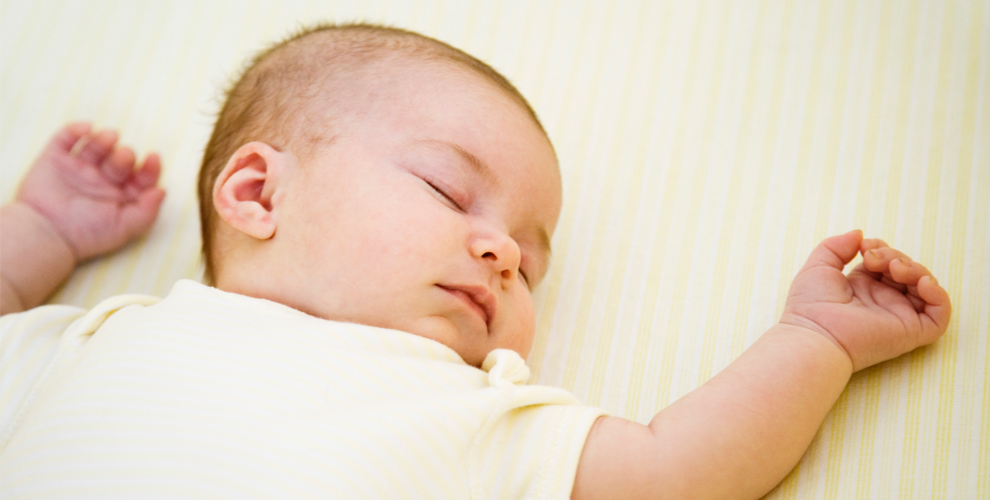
444, 195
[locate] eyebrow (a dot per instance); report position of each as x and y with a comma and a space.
478, 166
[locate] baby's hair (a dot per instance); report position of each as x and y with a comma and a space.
270, 98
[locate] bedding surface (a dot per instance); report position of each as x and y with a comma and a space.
705, 148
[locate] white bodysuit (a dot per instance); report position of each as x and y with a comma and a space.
215, 395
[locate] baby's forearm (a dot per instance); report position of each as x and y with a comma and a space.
34, 259
739, 434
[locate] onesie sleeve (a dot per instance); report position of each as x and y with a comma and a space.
533, 445
28, 343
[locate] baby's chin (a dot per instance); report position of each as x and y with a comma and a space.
472, 344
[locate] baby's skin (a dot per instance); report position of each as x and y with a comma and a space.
740, 433
82, 197
736, 436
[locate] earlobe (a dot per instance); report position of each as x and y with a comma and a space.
245, 188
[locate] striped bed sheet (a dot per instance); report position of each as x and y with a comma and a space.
705, 148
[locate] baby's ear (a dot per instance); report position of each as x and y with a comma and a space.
244, 189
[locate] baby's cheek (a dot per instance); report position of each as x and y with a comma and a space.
523, 324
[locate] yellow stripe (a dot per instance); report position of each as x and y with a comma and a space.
937, 133
627, 213
130, 259
661, 238
524, 44
699, 172
473, 24
41, 54
978, 294
840, 414
895, 371
983, 459
801, 163
738, 166
139, 250
837, 124
189, 208
657, 57
98, 289
487, 51
872, 382
899, 144
24, 44
683, 277
572, 178
916, 380
878, 89
949, 345
549, 28
760, 197
590, 273
797, 189
433, 15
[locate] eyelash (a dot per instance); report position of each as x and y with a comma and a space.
441, 192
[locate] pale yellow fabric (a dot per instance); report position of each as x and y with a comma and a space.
208, 394
705, 147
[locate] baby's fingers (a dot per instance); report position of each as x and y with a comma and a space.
871, 244
878, 260
138, 215
907, 272
938, 307
895, 270
147, 175
96, 146
904, 275
70, 134
119, 165
143, 178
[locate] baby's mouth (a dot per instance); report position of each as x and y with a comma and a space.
477, 298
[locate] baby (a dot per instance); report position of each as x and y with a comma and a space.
377, 208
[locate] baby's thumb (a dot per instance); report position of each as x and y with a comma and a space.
836, 251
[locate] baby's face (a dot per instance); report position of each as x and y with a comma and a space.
431, 212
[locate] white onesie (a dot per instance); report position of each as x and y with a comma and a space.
211, 394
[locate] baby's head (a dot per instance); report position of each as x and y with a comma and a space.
376, 176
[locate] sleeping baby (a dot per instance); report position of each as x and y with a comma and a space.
376, 209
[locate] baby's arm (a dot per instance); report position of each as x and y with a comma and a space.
81, 198
739, 434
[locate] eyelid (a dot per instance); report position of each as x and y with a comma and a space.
443, 190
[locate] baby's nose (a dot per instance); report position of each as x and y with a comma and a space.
500, 251
506, 273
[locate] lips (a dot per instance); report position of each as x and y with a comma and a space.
478, 298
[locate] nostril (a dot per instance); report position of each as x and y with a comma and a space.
506, 274
488, 255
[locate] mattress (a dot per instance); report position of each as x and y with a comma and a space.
705, 148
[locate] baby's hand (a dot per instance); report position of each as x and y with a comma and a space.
90, 192
885, 307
